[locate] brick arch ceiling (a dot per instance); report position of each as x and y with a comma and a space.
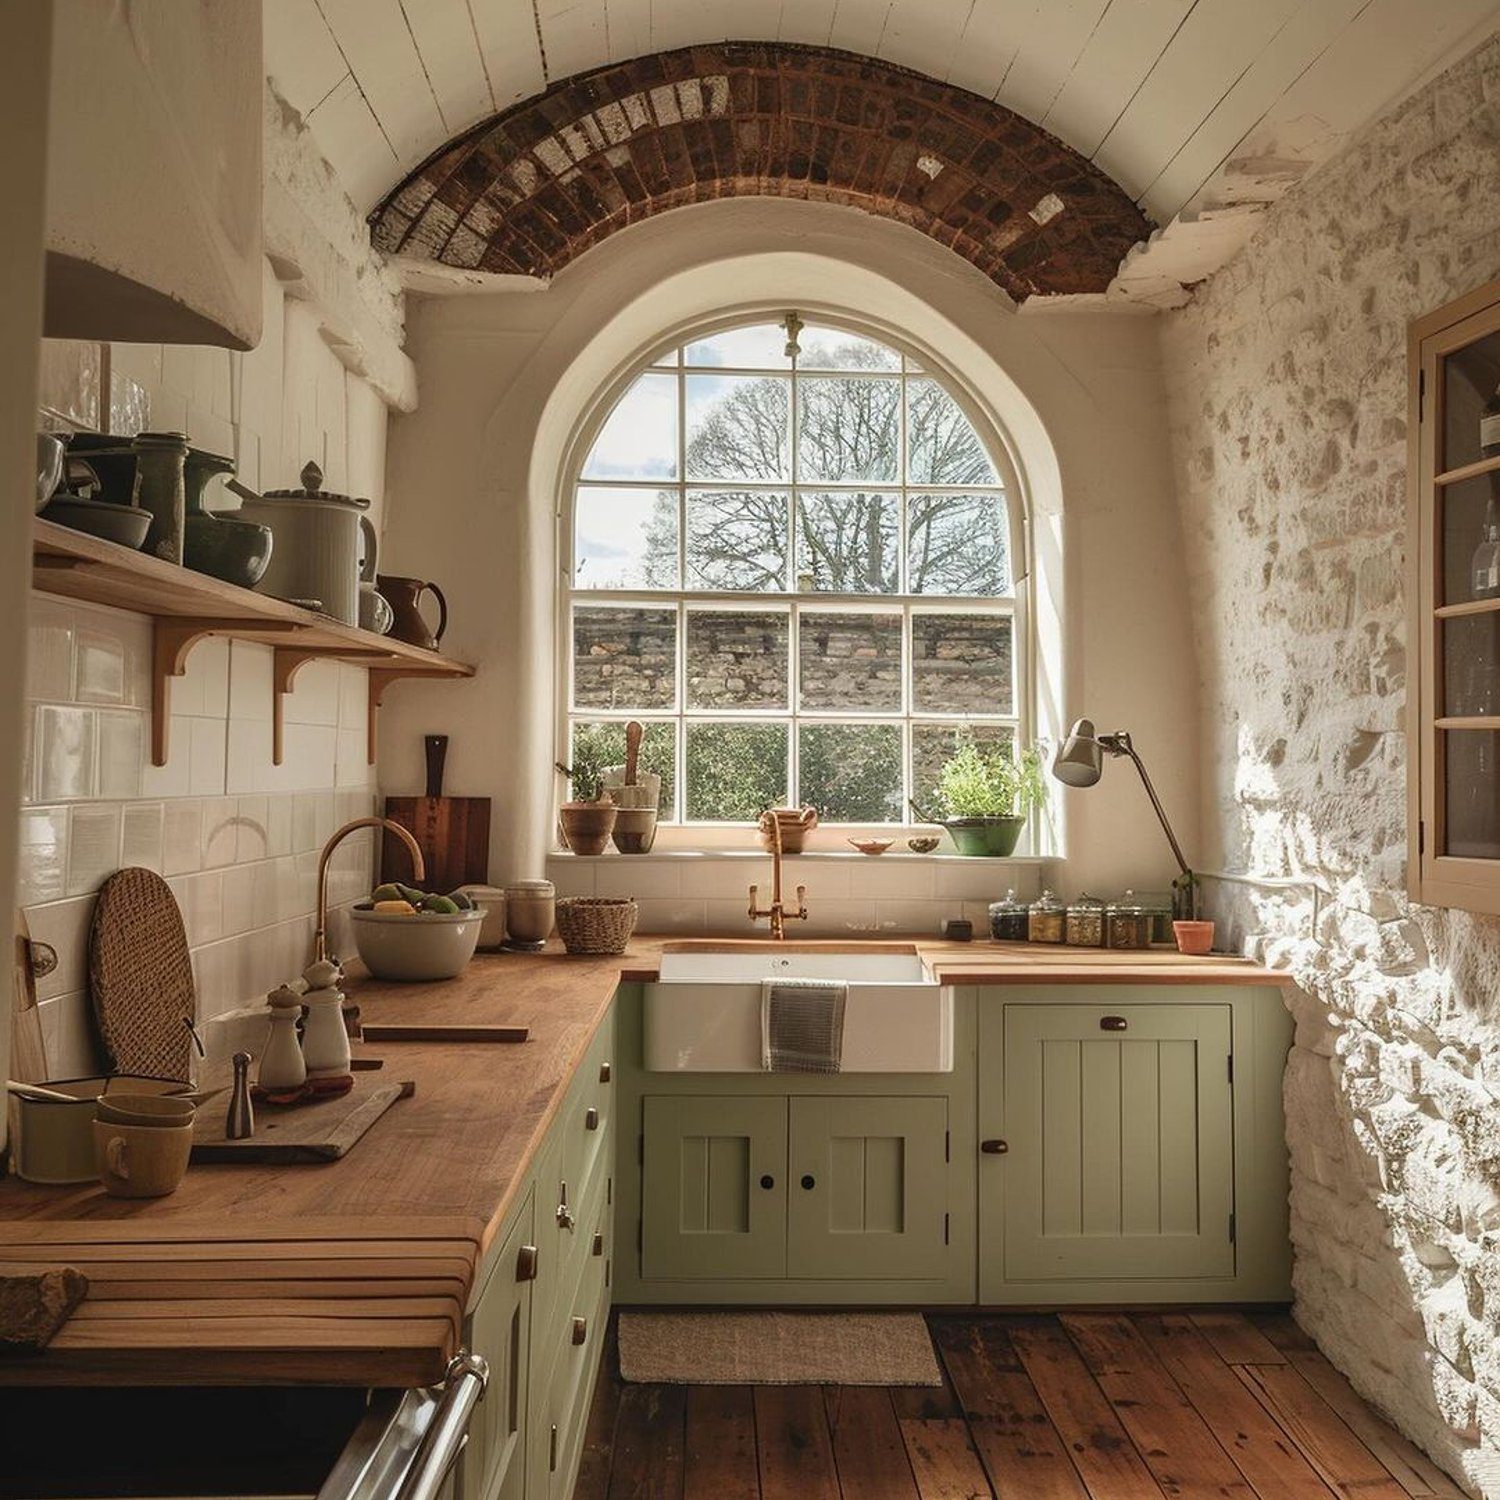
538, 184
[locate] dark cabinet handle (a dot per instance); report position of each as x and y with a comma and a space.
526, 1259
1113, 1023
597, 1248
580, 1330
994, 1148
591, 1119
604, 1071
767, 1181
808, 1181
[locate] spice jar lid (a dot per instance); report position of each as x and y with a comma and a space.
531, 887
1128, 905
1047, 901
1085, 902
1010, 904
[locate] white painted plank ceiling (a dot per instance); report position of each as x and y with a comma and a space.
1167, 96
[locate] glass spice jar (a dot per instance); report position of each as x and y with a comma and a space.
1158, 909
1084, 925
1009, 919
1044, 921
1127, 923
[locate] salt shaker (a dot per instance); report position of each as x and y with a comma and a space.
325, 1041
240, 1124
282, 1068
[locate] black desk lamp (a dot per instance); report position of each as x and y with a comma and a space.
1080, 762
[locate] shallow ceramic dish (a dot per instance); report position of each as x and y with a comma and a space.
872, 846
125, 524
411, 949
923, 845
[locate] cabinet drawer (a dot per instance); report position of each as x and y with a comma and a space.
571, 1387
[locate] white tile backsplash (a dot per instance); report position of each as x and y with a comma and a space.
63, 752
93, 845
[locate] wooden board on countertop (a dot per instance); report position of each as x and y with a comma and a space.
288, 1134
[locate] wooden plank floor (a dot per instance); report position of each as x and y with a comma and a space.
1079, 1406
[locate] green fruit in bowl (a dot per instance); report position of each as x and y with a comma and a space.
411, 893
440, 905
390, 891
462, 900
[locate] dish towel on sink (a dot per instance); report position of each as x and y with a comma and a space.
802, 1025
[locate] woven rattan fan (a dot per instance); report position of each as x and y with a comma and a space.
140, 975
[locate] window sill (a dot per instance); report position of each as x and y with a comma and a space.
819, 856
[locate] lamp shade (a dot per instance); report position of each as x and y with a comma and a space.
1080, 758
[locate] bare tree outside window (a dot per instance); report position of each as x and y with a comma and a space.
846, 472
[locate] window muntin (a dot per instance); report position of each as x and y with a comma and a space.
797, 573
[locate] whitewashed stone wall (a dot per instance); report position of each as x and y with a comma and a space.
1288, 401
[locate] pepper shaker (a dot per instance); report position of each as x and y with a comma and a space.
240, 1125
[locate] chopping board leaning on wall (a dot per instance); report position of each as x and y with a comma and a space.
452, 832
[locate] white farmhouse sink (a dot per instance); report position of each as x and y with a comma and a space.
703, 1014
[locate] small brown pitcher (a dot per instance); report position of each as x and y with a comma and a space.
403, 595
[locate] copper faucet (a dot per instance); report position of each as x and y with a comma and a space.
777, 911
418, 870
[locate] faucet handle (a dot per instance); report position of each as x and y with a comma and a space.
754, 902
802, 902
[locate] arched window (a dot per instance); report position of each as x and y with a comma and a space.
794, 557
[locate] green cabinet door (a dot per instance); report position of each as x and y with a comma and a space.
713, 1187
493, 1466
1119, 1123
867, 1188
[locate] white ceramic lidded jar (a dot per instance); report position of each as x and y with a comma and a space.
282, 1066
325, 1039
530, 911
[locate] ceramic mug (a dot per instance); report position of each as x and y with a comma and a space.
159, 1111
141, 1161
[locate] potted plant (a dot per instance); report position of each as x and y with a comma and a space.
988, 795
586, 822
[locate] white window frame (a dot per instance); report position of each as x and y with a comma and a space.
665, 358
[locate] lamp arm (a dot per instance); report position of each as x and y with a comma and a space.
1126, 748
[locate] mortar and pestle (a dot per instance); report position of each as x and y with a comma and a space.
636, 797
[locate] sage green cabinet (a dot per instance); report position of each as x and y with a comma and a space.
713, 1187
1120, 1136
868, 1191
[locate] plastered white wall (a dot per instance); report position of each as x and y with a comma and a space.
471, 485
1287, 379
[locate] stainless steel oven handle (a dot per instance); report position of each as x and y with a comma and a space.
463, 1387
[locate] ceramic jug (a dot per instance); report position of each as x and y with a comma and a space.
404, 594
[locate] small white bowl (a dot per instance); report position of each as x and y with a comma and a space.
426, 946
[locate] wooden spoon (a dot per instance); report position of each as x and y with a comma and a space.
35, 1091
634, 732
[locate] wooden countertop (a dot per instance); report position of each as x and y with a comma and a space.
359, 1271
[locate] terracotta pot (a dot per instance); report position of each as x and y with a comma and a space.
403, 595
1194, 937
587, 826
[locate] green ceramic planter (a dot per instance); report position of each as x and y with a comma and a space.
991, 837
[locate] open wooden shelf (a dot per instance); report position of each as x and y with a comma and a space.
185, 607
1468, 471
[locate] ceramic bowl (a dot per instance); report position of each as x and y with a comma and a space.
145, 1109
125, 524
226, 547
872, 846
411, 949
52, 1140
923, 845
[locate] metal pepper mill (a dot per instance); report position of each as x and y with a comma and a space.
240, 1125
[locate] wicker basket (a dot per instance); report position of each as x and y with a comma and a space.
595, 924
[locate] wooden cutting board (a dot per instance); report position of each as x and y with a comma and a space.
453, 833
303, 1133
28, 1058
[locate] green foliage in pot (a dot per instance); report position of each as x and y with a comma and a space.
980, 782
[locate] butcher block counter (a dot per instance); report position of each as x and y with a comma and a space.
361, 1271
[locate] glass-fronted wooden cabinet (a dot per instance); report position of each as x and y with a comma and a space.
1453, 556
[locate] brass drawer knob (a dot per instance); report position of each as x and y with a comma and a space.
526, 1260
994, 1148
580, 1330
591, 1119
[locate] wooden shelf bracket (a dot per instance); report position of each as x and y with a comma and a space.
380, 679
287, 662
172, 638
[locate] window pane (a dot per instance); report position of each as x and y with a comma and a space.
735, 771
598, 745
961, 664
761, 346
833, 349
849, 662
943, 447
738, 428
624, 658
639, 441
932, 745
851, 772
736, 540
737, 658
847, 543
624, 539
958, 544
850, 430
